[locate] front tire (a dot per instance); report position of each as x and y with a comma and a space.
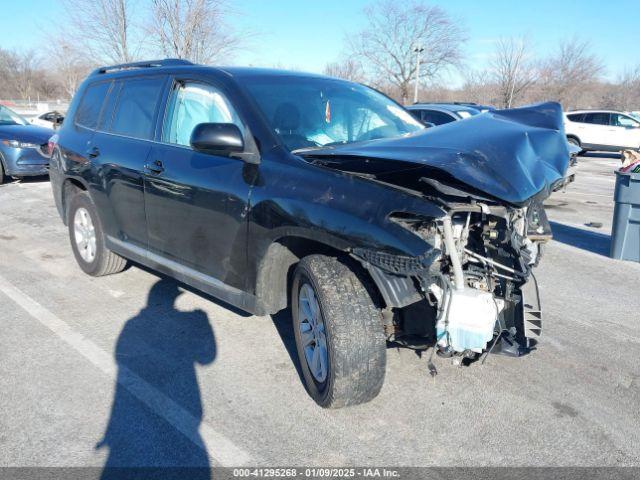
339, 333
87, 239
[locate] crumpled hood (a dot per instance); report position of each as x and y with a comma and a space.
511, 155
26, 133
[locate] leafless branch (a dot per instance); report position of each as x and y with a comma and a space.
512, 69
19, 71
569, 71
348, 69
385, 46
104, 29
192, 29
66, 64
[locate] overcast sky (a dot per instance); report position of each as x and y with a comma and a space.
306, 34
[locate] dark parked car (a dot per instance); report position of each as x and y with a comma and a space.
271, 189
24, 148
442, 113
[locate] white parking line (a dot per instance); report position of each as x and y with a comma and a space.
220, 448
576, 192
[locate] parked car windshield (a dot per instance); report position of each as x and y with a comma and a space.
9, 117
314, 112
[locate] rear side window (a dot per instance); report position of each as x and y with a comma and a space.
90, 106
598, 118
136, 107
576, 117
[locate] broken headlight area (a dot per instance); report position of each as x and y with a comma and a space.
473, 290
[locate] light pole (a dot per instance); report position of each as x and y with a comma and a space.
418, 50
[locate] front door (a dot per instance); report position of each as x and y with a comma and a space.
625, 130
196, 203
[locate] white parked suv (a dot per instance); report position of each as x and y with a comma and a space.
602, 130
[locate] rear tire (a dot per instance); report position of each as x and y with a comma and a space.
355, 357
87, 239
3, 179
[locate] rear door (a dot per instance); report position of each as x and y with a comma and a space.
120, 148
597, 130
196, 203
74, 142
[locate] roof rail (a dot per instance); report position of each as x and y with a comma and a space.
167, 62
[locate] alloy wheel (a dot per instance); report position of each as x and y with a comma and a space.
85, 235
312, 333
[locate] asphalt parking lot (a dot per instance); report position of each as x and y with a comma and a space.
133, 370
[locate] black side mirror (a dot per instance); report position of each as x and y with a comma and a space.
217, 138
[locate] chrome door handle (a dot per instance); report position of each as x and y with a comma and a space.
94, 152
156, 167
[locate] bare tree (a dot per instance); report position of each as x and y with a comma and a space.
512, 69
45, 86
386, 45
348, 69
5, 68
67, 64
478, 87
104, 30
627, 90
192, 29
20, 70
566, 74
22, 77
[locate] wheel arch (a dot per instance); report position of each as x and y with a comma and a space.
69, 187
575, 137
275, 271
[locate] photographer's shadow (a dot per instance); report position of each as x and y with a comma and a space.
157, 408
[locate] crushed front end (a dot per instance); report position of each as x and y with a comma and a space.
473, 290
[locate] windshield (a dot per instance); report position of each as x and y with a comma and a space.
9, 117
313, 112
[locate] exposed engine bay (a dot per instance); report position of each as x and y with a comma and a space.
477, 289
480, 291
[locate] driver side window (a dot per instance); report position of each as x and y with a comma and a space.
623, 121
194, 103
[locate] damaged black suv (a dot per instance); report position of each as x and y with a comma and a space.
272, 189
